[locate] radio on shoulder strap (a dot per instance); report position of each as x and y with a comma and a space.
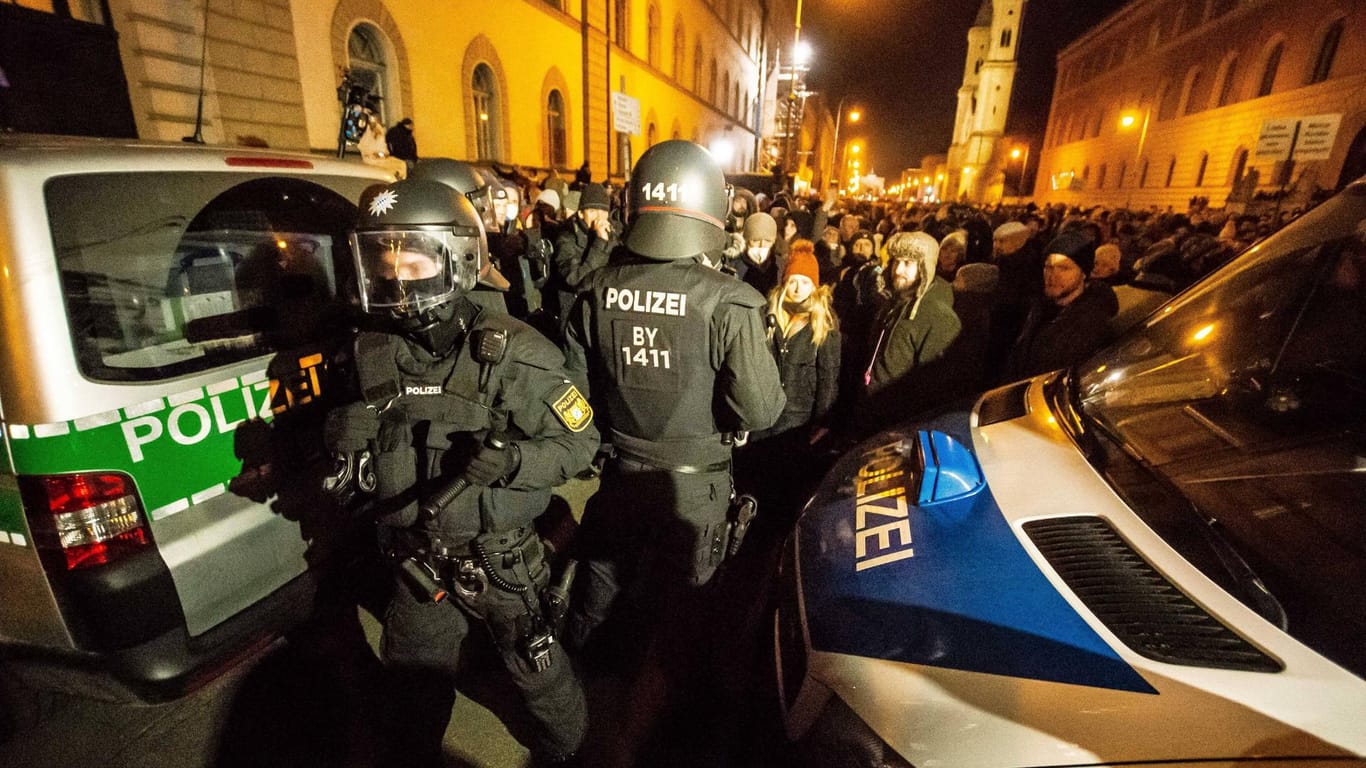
490, 346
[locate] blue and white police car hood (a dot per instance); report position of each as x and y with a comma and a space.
963, 586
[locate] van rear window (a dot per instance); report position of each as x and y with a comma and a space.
168, 274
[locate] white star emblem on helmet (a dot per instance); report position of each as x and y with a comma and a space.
382, 202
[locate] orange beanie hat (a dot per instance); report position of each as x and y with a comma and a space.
801, 260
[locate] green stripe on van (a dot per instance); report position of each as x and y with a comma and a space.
173, 448
11, 509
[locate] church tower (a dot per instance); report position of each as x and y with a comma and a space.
984, 98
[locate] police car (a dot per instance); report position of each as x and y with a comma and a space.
165, 315
1155, 558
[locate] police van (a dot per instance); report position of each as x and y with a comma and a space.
169, 327
1157, 557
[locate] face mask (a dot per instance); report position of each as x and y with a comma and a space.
758, 253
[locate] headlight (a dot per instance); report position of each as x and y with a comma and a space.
840, 739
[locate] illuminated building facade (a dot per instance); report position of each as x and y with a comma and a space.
974, 171
1169, 99
527, 82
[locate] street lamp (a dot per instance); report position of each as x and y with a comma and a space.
801, 54
1126, 121
1019, 182
854, 116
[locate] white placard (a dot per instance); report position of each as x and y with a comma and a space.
1273, 143
1317, 134
625, 113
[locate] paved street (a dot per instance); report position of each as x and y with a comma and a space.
311, 701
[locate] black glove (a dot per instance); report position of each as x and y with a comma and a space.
490, 464
350, 428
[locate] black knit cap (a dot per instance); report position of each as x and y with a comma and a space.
594, 196
1076, 245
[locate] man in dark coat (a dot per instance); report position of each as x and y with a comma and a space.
402, 143
1070, 319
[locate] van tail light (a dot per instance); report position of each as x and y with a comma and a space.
96, 517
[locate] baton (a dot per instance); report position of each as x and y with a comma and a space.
438, 501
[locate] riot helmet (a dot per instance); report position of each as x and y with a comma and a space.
491, 210
677, 203
417, 245
463, 177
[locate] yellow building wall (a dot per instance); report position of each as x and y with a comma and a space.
530, 46
1122, 67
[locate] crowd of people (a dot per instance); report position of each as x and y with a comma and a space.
878, 310
703, 352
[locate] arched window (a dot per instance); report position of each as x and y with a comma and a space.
697, 67
1167, 100
977, 67
555, 130
1200, 172
621, 32
1328, 51
1239, 165
1218, 8
711, 84
368, 63
1171, 171
652, 35
680, 44
651, 136
1119, 177
1143, 174
735, 100
1226, 85
1100, 177
485, 103
1269, 70
1194, 98
1086, 174
1005, 38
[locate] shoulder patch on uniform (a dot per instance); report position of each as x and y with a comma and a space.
572, 409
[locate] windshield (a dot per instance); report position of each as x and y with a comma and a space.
1244, 398
166, 274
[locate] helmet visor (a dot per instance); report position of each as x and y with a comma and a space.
408, 271
483, 203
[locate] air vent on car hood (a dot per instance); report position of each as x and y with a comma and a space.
1144, 610
1002, 404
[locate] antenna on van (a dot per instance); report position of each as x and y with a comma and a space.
198, 137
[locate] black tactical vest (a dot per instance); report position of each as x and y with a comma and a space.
652, 332
434, 417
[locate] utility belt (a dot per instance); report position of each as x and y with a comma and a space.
741, 512
687, 469
484, 574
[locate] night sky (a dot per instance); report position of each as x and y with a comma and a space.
901, 62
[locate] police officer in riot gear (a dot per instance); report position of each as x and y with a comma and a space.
454, 398
675, 358
463, 178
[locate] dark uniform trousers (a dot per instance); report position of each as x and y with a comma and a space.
661, 532
433, 413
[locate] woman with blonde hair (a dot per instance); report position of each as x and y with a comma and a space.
779, 465
804, 338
